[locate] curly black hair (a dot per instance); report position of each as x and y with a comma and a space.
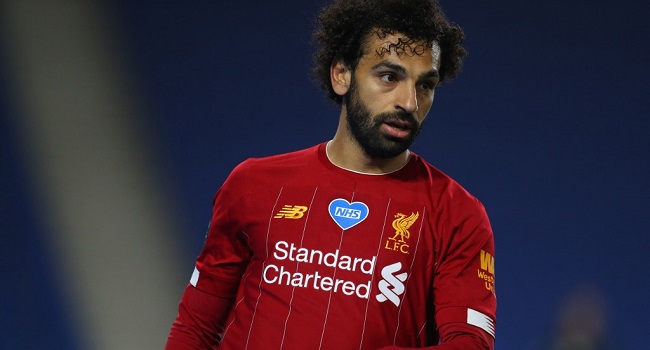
344, 26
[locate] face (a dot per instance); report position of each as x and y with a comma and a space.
390, 94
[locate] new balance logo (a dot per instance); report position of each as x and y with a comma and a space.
391, 287
291, 212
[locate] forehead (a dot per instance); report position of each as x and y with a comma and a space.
398, 47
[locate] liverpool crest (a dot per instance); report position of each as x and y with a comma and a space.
401, 224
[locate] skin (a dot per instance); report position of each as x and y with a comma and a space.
388, 84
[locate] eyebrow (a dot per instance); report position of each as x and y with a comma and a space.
433, 73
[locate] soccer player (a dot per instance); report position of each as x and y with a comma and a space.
355, 243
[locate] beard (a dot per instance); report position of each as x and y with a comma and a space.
366, 130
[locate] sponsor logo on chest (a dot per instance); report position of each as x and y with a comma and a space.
389, 284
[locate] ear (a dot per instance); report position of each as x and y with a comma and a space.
340, 75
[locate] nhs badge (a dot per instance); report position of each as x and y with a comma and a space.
347, 214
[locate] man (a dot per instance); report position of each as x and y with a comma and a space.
356, 243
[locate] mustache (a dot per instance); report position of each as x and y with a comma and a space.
398, 116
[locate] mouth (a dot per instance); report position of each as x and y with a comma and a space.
398, 129
399, 124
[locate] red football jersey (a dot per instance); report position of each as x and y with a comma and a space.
322, 257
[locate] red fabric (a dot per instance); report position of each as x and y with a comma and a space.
200, 321
458, 336
305, 280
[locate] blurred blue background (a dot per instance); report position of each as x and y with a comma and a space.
119, 120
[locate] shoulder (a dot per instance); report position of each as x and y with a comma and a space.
258, 169
447, 192
459, 218
282, 161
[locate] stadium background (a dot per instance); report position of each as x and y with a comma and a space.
119, 120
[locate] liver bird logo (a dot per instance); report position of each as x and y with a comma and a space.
401, 224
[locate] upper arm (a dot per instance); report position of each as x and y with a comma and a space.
464, 280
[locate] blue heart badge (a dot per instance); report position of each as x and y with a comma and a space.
347, 214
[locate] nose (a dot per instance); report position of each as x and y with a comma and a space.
407, 98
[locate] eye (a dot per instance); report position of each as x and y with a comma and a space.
388, 77
428, 85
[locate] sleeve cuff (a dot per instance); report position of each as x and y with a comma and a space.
468, 316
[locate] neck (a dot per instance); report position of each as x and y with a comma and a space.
344, 152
